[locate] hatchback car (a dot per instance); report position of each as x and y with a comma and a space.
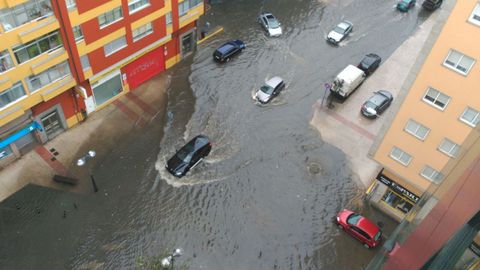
359, 227
189, 156
405, 5
369, 63
270, 89
431, 4
340, 32
270, 24
225, 52
377, 103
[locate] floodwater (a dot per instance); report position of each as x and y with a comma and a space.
265, 197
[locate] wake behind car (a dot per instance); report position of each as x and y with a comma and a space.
270, 24
369, 63
359, 227
189, 156
377, 103
405, 5
225, 52
270, 89
339, 32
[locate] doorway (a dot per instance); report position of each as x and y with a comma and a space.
52, 124
188, 43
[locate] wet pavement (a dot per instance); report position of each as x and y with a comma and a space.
264, 198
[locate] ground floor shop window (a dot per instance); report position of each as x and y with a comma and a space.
397, 201
108, 89
5, 152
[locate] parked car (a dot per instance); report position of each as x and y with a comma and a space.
225, 52
189, 156
270, 24
340, 32
377, 103
270, 89
431, 4
405, 5
369, 63
359, 227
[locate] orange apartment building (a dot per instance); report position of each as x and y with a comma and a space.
438, 107
61, 60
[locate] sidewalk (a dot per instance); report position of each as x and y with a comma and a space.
344, 126
101, 131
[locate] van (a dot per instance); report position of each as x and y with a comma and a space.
347, 81
431, 4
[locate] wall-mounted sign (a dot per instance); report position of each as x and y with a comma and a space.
397, 187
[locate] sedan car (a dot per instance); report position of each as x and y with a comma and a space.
189, 156
340, 32
369, 63
270, 24
225, 52
405, 5
270, 89
359, 227
376, 104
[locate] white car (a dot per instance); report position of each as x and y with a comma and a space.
270, 24
340, 32
270, 89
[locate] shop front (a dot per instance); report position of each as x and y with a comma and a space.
107, 88
18, 141
392, 194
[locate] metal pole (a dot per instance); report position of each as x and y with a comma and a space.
95, 188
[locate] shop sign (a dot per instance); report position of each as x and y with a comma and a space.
399, 188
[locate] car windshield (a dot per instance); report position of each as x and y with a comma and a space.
272, 22
377, 236
369, 104
353, 219
266, 89
339, 30
185, 154
405, 1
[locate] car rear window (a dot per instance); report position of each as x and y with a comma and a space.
353, 219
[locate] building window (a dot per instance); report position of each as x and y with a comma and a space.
142, 31
71, 4
459, 62
115, 45
396, 201
431, 174
23, 13
183, 8
448, 147
5, 152
194, 3
418, 130
110, 17
85, 62
400, 156
12, 94
475, 17
168, 18
436, 98
36, 47
470, 117
77, 33
6, 62
136, 5
48, 76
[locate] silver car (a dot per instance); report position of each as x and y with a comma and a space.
270, 24
340, 32
270, 89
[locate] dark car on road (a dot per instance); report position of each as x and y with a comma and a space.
405, 5
359, 227
377, 103
369, 63
225, 52
189, 156
431, 4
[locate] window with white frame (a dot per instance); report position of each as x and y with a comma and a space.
194, 3
416, 129
12, 94
136, 5
25, 12
77, 32
115, 45
71, 4
142, 31
475, 16
431, 174
85, 62
48, 76
470, 116
48, 42
183, 8
6, 62
110, 17
168, 18
448, 147
459, 62
436, 98
400, 156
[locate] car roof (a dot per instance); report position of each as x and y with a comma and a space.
273, 82
226, 47
199, 141
368, 226
344, 24
370, 58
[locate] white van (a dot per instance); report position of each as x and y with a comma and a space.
347, 81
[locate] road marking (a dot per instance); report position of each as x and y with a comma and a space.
56, 165
209, 36
140, 103
349, 124
129, 113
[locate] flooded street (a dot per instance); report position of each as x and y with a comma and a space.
264, 198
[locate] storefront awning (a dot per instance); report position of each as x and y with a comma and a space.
19, 134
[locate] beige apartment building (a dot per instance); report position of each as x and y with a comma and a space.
438, 107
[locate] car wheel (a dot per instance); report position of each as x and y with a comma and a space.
366, 246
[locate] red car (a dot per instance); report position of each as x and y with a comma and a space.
359, 227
